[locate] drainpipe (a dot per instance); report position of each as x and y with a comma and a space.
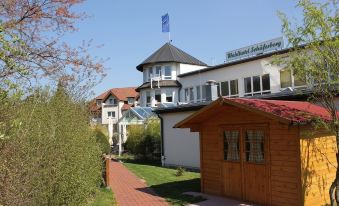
163, 158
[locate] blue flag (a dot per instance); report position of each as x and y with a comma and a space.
165, 23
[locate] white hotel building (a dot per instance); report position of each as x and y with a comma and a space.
183, 79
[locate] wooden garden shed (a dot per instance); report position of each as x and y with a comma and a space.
264, 151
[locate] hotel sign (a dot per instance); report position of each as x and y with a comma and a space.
256, 49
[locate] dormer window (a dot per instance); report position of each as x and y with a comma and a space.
168, 72
130, 100
112, 101
98, 102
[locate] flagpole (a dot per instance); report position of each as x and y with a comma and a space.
169, 37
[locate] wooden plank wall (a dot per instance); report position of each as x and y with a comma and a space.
285, 164
318, 164
284, 172
211, 162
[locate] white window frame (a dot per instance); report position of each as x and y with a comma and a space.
150, 73
146, 76
148, 94
171, 69
292, 79
130, 100
169, 92
229, 87
261, 91
198, 89
186, 94
157, 92
110, 114
158, 74
191, 94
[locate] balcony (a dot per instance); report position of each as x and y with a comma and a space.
109, 105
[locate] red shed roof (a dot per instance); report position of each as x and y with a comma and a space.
293, 112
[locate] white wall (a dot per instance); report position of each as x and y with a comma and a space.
181, 147
174, 91
184, 68
146, 69
238, 71
110, 108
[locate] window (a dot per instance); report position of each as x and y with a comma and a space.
191, 95
224, 88
299, 82
130, 100
266, 85
98, 102
168, 72
186, 95
150, 70
257, 85
231, 145
254, 146
158, 71
234, 87
112, 101
145, 75
198, 91
157, 96
169, 96
148, 98
247, 85
203, 92
285, 78
111, 114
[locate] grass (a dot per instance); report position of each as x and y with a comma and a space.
165, 183
103, 197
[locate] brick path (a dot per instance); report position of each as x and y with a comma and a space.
128, 189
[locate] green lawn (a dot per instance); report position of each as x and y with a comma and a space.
164, 182
103, 197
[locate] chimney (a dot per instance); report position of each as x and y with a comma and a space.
211, 90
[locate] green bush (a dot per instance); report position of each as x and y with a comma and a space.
102, 141
49, 156
144, 141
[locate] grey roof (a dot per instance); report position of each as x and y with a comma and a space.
240, 61
170, 53
162, 83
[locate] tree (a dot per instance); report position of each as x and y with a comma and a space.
314, 58
31, 47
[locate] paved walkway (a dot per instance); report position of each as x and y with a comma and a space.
128, 189
216, 201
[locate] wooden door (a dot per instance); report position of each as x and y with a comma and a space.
244, 167
254, 165
232, 168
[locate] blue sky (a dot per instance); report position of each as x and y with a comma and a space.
131, 30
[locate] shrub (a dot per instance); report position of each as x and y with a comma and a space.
102, 141
51, 157
180, 171
144, 141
